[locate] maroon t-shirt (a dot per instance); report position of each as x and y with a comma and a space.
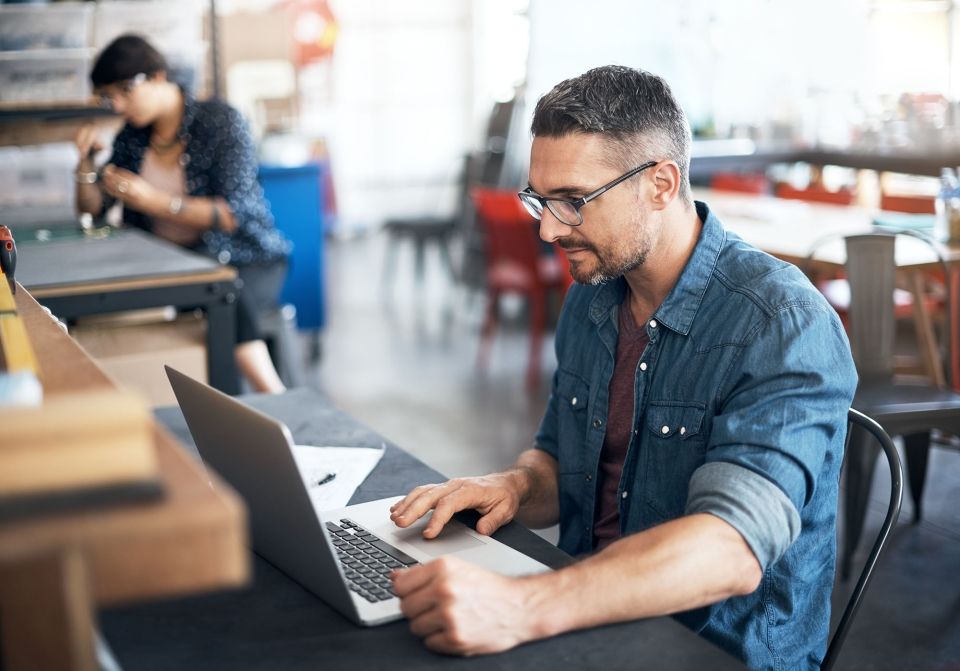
632, 341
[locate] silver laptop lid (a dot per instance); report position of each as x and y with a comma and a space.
253, 452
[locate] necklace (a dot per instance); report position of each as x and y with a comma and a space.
164, 146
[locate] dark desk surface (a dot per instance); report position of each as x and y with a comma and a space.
129, 254
276, 624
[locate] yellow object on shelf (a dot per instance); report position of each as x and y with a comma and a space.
16, 354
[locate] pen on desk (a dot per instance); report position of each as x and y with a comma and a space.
326, 478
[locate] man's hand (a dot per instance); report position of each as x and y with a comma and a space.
134, 191
496, 497
458, 608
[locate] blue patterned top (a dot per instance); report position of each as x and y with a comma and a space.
219, 159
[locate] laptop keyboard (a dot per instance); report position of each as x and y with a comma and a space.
367, 560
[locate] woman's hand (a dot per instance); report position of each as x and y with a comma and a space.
133, 191
88, 143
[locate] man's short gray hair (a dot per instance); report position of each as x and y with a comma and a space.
632, 108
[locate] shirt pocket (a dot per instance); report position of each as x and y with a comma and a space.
674, 447
573, 394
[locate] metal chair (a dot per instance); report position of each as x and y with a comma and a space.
863, 427
908, 407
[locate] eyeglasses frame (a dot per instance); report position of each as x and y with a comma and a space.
106, 100
579, 202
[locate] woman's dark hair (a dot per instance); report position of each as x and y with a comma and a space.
125, 58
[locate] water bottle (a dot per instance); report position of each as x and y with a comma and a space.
947, 224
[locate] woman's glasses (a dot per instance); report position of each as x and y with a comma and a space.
123, 90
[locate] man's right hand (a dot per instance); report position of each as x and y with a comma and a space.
88, 142
496, 497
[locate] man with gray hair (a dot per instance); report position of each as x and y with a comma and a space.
692, 442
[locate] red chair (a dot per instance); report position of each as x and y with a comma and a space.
515, 264
815, 194
909, 204
751, 182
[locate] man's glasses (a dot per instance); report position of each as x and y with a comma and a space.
125, 89
567, 211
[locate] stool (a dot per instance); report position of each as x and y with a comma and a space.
420, 230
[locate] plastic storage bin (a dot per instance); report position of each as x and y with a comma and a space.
168, 25
46, 174
45, 76
296, 201
57, 26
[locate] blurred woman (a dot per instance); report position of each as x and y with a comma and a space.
187, 172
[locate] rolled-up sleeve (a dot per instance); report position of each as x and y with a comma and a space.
783, 396
751, 504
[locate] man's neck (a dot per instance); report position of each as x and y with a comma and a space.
650, 284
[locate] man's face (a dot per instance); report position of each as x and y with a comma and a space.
615, 237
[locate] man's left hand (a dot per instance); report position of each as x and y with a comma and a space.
458, 608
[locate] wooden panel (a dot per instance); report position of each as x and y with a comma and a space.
45, 609
194, 539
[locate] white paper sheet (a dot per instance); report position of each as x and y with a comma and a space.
349, 467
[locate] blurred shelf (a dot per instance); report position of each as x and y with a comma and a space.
50, 111
911, 162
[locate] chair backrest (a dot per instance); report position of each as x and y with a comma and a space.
912, 204
857, 421
509, 231
814, 194
871, 272
750, 182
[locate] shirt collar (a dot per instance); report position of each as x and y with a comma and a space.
682, 303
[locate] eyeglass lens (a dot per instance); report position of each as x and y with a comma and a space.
562, 210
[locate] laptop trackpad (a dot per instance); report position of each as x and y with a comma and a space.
453, 538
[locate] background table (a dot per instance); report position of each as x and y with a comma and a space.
276, 624
791, 230
130, 270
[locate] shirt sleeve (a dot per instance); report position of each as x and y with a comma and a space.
751, 504
234, 175
784, 400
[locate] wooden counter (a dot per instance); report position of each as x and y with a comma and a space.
194, 539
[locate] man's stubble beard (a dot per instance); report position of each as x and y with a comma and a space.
629, 255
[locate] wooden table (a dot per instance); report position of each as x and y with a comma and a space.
55, 569
129, 270
792, 229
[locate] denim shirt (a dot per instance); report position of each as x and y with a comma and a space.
219, 159
747, 365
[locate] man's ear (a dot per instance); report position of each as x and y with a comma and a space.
666, 183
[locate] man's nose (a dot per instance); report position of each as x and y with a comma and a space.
551, 228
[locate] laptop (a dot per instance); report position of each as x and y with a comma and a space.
343, 556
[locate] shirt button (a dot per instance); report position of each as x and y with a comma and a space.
573, 401
653, 323
664, 429
643, 365
589, 478
683, 430
597, 423
624, 495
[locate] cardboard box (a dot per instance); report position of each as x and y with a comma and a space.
134, 353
